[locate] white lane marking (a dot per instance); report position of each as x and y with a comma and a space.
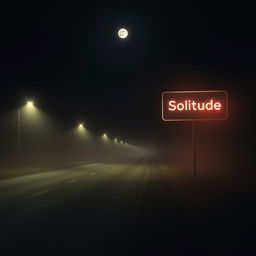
93, 164
40, 192
72, 181
93, 173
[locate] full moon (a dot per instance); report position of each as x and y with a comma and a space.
122, 33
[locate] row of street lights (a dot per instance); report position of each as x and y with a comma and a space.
81, 127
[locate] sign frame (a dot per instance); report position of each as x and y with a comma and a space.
195, 119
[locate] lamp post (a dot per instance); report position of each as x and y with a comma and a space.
19, 132
28, 104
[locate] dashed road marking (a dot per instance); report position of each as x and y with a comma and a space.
72, 181
93, 173
40, 192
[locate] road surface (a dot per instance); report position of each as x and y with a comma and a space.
125, 208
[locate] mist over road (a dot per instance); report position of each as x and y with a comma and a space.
118, 208
85, 208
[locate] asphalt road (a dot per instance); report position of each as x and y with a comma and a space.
119, 209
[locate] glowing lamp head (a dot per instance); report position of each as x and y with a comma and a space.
104, 136
30, 103
80, 125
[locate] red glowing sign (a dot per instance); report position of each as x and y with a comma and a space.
194, 105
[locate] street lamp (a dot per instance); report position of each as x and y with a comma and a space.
80, 126
30, 105
81, 129
105, 137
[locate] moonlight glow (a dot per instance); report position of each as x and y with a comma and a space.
122, 33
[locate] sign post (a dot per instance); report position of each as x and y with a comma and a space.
194, 147
194, 106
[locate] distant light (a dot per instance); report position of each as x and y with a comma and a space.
81, 130
123, 33
30, 103
105, 136
115, 140
80, 125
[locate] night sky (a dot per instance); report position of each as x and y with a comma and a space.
66, 56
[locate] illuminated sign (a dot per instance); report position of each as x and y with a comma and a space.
194, 105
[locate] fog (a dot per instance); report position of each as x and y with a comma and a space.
29, 138
224, 153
